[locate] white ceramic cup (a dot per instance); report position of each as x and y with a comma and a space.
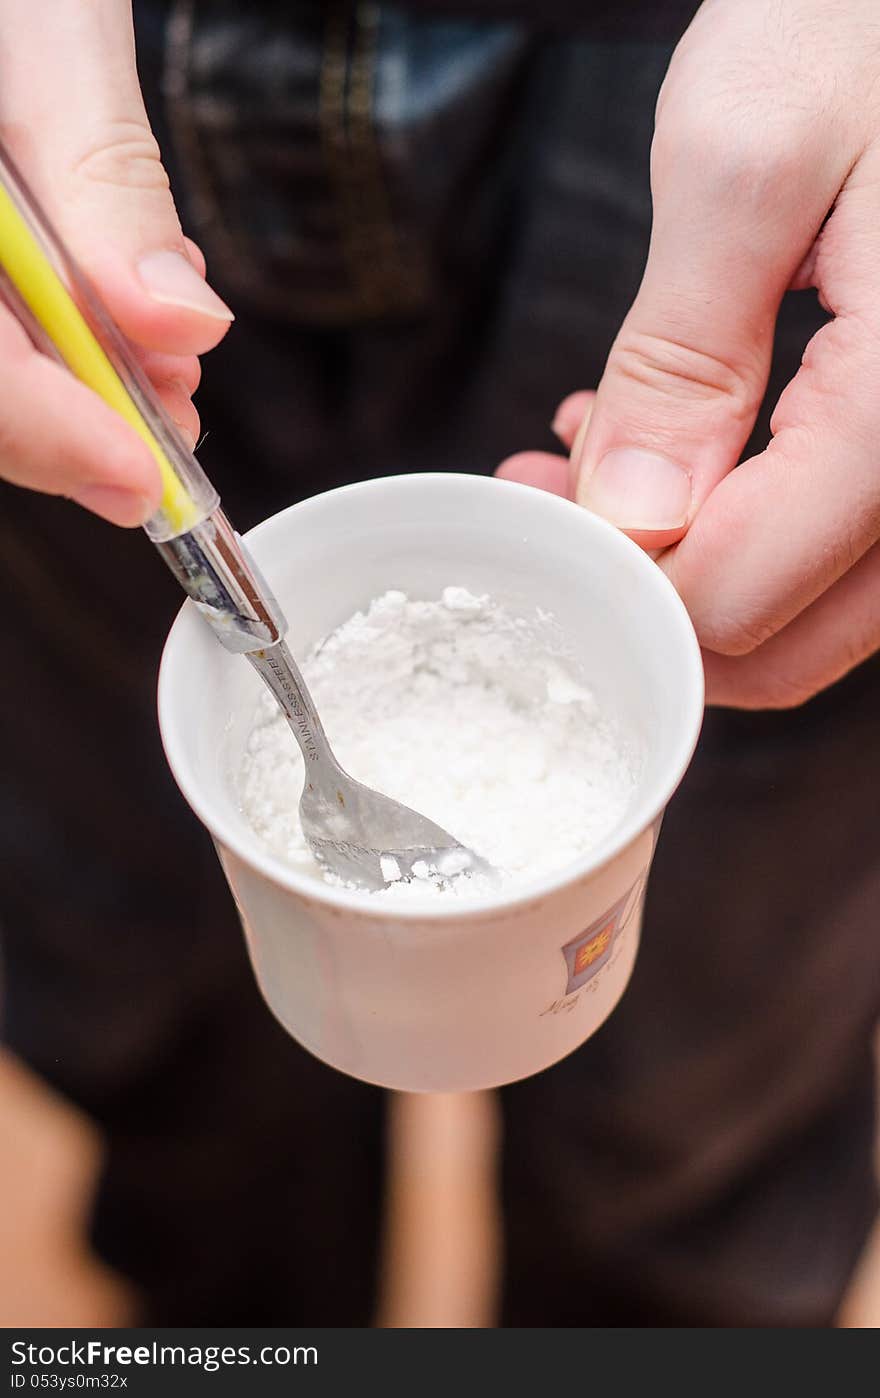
445, 997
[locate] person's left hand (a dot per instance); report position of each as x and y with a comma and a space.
765, 176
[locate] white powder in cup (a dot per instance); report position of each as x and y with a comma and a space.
464, 712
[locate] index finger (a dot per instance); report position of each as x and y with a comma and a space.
785, 525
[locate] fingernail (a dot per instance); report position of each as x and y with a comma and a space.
116, 505
171, 279
637, 489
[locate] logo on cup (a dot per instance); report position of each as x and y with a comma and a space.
591, 950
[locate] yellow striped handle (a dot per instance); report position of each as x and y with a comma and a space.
52, 305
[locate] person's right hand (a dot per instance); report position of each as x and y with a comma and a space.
72, 116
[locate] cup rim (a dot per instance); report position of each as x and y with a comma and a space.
648, 805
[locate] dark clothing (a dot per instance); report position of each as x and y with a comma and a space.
430, 231
643, 21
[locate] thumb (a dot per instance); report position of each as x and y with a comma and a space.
74, 118
735, 212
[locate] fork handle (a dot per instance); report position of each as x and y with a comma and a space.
281, 673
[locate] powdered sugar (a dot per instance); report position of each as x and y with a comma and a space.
466, 713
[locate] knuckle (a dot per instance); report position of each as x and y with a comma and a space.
756, 683
856, 645
777, 690
10, 444
123, 153
845, 551
735, 635
676, 368
738, 150
192, 373
15, 368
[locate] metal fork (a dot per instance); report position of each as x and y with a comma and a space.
360, 835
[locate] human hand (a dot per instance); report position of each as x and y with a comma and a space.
72, 116
768, 121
